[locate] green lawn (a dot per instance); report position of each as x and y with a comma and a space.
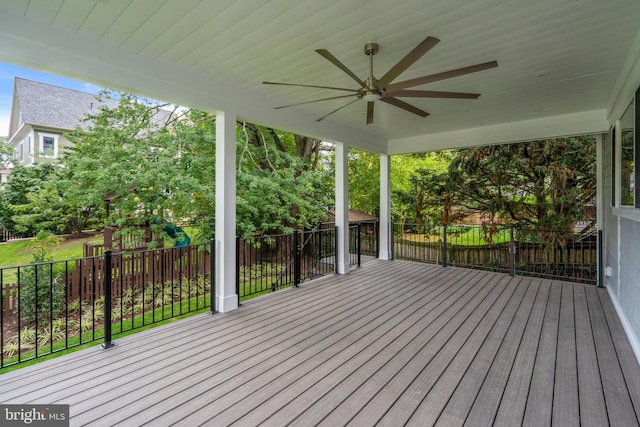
465, 236
18, 252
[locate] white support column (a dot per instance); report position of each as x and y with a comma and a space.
385, 251
226, 297
342, 208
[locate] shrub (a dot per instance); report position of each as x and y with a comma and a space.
41, 290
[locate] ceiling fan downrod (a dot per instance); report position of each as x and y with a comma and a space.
373, 93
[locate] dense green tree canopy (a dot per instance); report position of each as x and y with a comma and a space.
154, 163
17, 214
545, 184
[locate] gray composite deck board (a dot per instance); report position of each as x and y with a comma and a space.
620, 409
623, 348
392, 343
539, 407
566, 411
593, 410
514, 398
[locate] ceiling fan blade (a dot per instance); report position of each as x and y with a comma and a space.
316, 100
441, 76
327, 55
425, 46
408, 107
370, 112
314, 86
432, 94
336, 110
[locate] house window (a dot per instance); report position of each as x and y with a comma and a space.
18, 154
627, 159
627, 156
49, 145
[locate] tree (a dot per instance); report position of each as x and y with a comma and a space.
364, 181
42, 291
413, 177
14, 197
132, 154
278, 190
153, 162
543, 184
6, 153
158, 164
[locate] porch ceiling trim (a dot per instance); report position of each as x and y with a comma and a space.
527, 130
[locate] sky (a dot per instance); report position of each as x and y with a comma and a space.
9, 72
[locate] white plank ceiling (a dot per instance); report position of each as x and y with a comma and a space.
561, 62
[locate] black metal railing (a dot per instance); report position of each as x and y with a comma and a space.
53, 306
268, 263
552, 254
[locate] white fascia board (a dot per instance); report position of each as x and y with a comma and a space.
588, 122
24, 130
626, 84
29, 43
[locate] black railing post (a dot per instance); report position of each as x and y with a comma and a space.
376, 228
296, 260
319, 256
212, 277
238, 268
335, 249
392, 237
512, 253
444, 245
359, 244
107, 274
600, 266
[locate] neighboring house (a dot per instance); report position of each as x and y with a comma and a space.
40, 116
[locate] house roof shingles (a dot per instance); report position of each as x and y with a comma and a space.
51, 106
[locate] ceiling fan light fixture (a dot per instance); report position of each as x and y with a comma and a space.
372, 96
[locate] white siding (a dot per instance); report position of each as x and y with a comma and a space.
621, 256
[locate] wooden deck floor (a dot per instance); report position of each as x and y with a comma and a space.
392, 343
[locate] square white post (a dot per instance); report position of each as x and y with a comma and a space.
385, 251
226, 297
342, 208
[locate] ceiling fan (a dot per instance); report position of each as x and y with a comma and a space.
373, 90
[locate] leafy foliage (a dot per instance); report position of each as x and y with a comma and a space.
130, 154
142, 163
277, 190
6, 153
545, 184
41, 290
16, 212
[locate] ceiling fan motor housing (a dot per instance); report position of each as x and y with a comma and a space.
371, 48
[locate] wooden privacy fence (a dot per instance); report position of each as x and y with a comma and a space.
134, 270
5, 235
84, 278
